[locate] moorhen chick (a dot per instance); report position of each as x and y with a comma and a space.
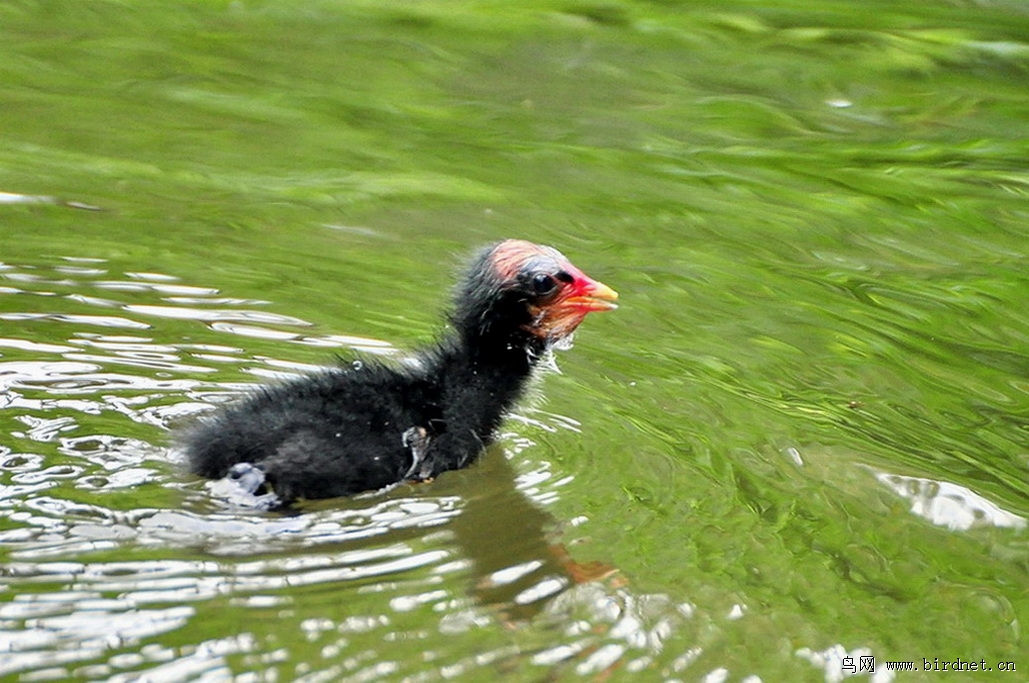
367, 425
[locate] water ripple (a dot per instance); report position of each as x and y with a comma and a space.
104, 534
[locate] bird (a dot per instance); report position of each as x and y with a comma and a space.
369, 424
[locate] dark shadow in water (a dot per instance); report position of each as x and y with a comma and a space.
517, 562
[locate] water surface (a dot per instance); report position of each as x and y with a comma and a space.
802, 437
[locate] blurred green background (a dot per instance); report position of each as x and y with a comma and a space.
803, 434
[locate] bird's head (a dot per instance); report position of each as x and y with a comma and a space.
531, 288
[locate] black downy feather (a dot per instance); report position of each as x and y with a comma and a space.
366, 425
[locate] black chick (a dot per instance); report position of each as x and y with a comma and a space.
368, 425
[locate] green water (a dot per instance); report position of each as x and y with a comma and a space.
804, 434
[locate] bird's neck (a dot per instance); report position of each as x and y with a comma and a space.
489, 370
477, 382
506, 356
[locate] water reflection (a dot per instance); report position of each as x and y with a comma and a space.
119, 565
949, 505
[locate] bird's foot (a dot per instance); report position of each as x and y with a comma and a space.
248, 477
247, 485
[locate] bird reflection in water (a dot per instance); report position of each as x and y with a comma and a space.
517, 560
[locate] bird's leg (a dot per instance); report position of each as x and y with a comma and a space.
416, 440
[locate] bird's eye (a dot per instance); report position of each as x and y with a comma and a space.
543, 284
